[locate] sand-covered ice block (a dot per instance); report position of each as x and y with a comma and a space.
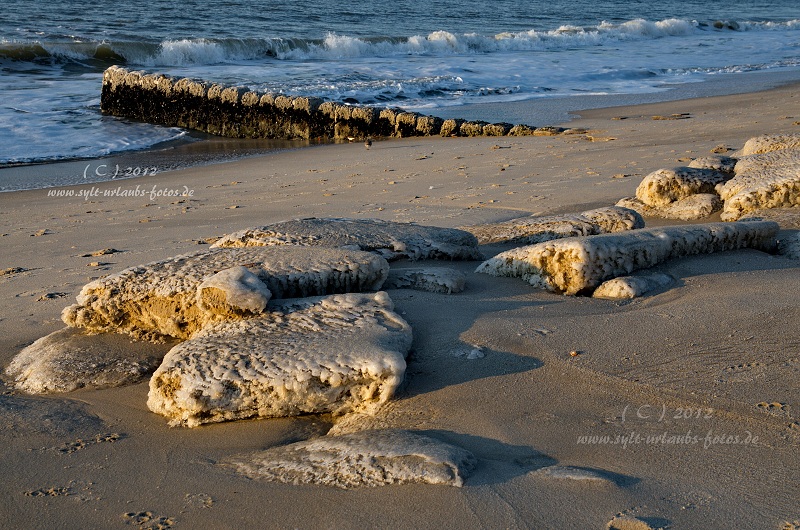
769, 142
787, 218
577, 265
535, 229
665, 186
724, 164
389, 239
363, 459
337, 354
691, 208
69, 359
770, 180
180, 295
789, 246
432, 279
627, 287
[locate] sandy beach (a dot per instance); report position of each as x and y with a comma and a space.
677, 410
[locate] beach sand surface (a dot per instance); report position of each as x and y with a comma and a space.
649, 404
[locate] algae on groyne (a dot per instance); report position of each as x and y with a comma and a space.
238, 112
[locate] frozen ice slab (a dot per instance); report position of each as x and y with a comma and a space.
433, 279
770, 180
179, 296
691, 208
665, 186
390, 240
69, 359
769, 142
724, 164
577, 265
338, 354
365, 458
535, 229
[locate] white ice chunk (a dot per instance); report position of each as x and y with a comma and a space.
337, 354
626, 287
389, 239
724, 164
433, 279
366, 458
769, 142
665, 186
579, 264
69, 359
770, 180
535, 229
161, 298
240, 289
691, 208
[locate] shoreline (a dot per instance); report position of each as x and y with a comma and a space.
201, 149
555, 435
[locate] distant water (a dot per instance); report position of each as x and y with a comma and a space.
428, 55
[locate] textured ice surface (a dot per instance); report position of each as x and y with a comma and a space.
786, 217
665, 186
579, 264
533, 229
625, 287
338, 354
691, 208
233, 289
366, 458
770, 180
724, 164
69, 359
180, 295
770, 142
390, 240
433, 279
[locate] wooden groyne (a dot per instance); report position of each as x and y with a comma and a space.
238, 112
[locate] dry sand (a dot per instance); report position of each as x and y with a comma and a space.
717, 354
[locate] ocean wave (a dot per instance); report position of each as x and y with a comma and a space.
205, 51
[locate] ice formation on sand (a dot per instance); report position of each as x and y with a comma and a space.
433, 279
769, 180
693, 207
533, 229
366, 458
69, 359
625, 287
578, 265
723, 164
769, 142
390, 240
337, 354
179, 296
789, 246
665, 186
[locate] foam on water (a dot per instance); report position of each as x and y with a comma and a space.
404, 55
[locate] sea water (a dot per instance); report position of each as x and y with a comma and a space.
430, 56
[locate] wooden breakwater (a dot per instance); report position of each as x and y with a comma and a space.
238, 112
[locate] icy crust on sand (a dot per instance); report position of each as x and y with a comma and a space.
578, 265
770, 180
388, 239
627, 287
529, 230
366, 458
665, 186
769, 142
68, 359
690, 208
337, 354
432, 279
179, 296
